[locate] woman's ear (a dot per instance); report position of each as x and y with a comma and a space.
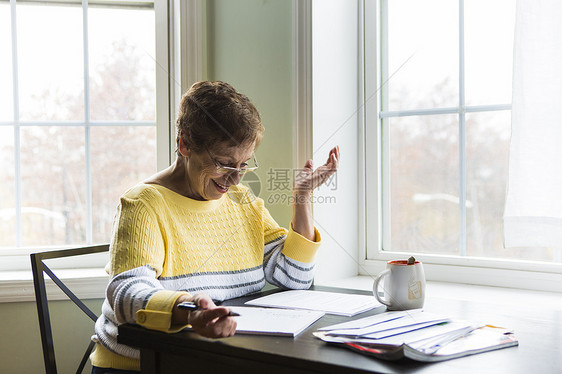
182, 146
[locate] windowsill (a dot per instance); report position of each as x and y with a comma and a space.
467, 292
17, 286
88, 283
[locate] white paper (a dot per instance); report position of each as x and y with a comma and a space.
271, 321
402, 329
398, 323
435, 343
424, 335
418, 337
365, 322
328, 302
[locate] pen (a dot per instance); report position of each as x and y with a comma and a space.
190, 305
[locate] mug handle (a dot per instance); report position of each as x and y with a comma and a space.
376, 287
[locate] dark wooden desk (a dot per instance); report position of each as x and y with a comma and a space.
539, 352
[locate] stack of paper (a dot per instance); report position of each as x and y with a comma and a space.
328, 302
417, 335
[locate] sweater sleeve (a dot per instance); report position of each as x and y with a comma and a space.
137, 255
136, 296
289, 258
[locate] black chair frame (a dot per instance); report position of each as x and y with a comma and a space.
39, 269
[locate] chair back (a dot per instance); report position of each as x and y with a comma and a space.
39, 269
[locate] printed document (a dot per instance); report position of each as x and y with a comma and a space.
328, 302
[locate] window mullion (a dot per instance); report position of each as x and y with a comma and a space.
462, 136
17, 137
384, 133
87, 146
418, 112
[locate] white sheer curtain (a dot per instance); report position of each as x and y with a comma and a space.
533, 211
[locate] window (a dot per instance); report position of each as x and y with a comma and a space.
438, 131
77, 117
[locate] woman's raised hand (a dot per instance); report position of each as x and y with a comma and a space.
309, 179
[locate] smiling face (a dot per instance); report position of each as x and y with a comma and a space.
204, 181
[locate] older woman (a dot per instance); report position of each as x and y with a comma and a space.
193, 233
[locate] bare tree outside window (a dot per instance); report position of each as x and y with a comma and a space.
444, 134
63, 154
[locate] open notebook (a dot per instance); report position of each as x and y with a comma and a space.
271, 321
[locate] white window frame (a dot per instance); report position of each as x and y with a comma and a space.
482, 271
180, 49
18, 258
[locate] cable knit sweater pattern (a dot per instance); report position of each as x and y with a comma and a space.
165, 245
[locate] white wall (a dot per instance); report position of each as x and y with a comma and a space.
335, 118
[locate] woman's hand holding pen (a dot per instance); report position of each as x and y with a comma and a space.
207, 319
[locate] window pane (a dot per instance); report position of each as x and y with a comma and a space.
489, 29
7, 187
488, 136
121, 157
50, 59
424, 184
6, 88
422, 54
122, 64
53, 185
53, 165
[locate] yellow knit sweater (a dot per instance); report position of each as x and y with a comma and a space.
165, 245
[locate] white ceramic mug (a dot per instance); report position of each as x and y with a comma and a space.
404, 285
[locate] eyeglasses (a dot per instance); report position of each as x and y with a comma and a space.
222, 169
